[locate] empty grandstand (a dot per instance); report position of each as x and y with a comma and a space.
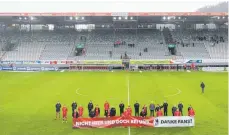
111, 38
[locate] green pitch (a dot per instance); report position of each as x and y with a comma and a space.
27, 100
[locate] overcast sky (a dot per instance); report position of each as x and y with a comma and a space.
103, 5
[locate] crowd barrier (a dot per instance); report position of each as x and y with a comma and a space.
132, 121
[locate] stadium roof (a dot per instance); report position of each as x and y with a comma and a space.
113, 14
70, 6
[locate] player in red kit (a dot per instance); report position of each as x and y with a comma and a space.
159, 113
64, 112
193, 66
177, 113
80, 110
191, 112
129, 111
125, 113
97, 111
106, 108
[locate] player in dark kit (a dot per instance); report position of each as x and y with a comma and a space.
136, 108
189, 107
58, 107
180, 106
143, 113
165, 106
112, 112
121, 107
202, 85
157, 108
74, 106
174, 108
90, 106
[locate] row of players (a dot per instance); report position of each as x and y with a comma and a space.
176, 111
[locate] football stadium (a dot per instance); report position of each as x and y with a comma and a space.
114, 73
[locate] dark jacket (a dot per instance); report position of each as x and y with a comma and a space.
74, 106
112, 112
165, 105
92, 114
136, 106
180, 106
174, 109
202, 85
90, 106
157, 108
142, 114
121, 106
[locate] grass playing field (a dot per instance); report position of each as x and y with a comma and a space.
27, 100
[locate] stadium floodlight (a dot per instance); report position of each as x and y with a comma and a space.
119, 18
82, 18
126, 18
70, 18
76, 18
164, 18
131, 18
114, 18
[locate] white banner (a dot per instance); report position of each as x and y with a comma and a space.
174, 121
213, 69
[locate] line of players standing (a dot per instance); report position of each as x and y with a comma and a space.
109, 112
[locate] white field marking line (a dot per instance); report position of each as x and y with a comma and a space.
179, 91
128, 96
79, 93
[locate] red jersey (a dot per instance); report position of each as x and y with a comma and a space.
129, 111
193, 65
159, 113
125, 113
64, 111
106, 106
80, 110
191, 112
177, 113
96, 111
